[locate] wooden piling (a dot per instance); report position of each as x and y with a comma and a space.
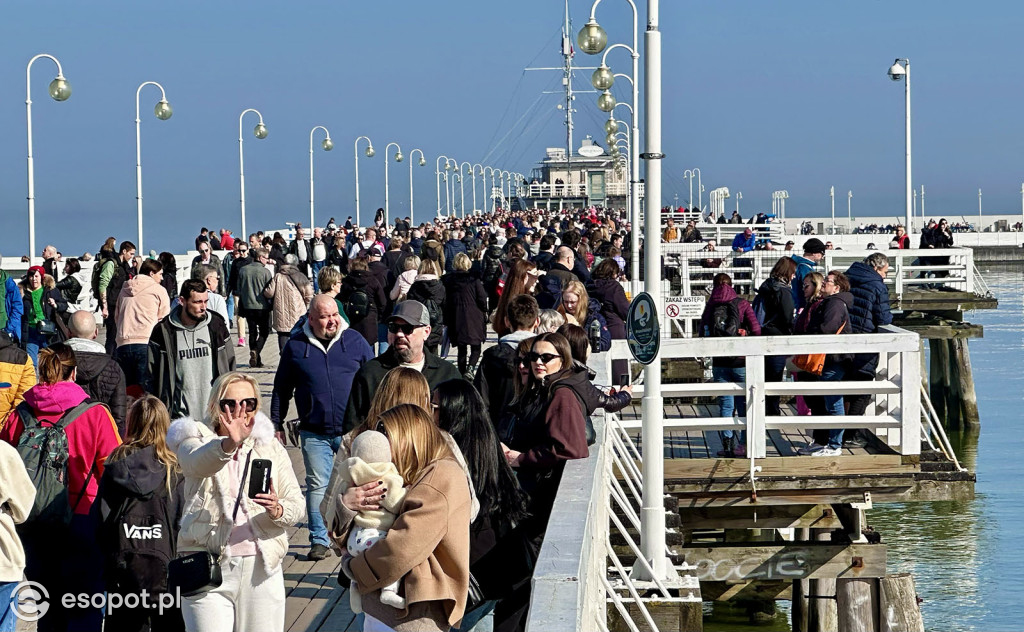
938, 376
897, 604
823, 616
856, 604
960, 363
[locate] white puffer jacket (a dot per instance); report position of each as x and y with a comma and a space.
210, 500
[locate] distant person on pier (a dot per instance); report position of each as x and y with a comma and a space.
303, 251
253, 306
728, 315
902, 239
736, 218
814, 252
206, 258
97, 373
671, 233
290, 292
691, 235
142, 304
114, 269
776, 312
744, 242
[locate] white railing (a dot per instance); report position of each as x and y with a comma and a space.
546, 189
908, 269
723, 234
894, 414
621, 188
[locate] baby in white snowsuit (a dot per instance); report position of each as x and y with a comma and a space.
371, 461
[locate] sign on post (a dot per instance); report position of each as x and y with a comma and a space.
687, 307
642, 329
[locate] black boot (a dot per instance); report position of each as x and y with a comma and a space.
728, 444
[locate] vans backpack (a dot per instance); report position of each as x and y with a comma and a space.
142, 541
357, 307
725, 320
44, 449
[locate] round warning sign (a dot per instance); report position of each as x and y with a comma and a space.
672, 310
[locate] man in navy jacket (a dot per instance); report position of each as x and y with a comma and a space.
317, 366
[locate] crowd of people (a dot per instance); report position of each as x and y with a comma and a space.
150, 455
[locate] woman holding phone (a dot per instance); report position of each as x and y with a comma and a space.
246, 534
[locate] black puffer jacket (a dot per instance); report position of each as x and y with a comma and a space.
593, 397
102, 379
779, 309
69, 288
870, 308
426, 291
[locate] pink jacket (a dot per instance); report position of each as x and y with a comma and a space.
91, 437
141, 305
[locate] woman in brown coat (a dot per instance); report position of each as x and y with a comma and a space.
427, 548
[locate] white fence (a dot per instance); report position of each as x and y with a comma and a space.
894, 414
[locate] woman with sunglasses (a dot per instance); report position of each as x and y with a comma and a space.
428, 545
248, 535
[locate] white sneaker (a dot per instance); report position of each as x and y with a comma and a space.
811, 448
827, 451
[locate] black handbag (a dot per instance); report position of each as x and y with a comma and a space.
476, 595
199, 572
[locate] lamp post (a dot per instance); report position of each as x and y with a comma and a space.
739, 196
422, 163
163, 112
592, 40
260, 131
688, 174
369, 154
449, 185
473, 174
832, 198
901, 71
387, 187
979, 213
437, 173
922, 206
328, 145
462, 184
490, 191
60, 90
849, 209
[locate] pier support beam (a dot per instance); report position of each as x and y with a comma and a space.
951, 383
897, 604
856, 604
823, 616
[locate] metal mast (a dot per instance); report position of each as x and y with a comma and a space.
567, 53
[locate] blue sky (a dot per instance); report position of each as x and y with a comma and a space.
760, 96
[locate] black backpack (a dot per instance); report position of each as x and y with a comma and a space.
45, 453
357, 307
725, 319
140, 539
491, 267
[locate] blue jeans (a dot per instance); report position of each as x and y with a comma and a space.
34, 341
315, 269
318, 456
382, 338
728, 403
231, 309
134, 361
481, 619
834, 403
7, 618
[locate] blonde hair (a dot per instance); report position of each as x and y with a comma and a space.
401, 385
220, 388
577, 288
328, 278
412, 262
429, 266
461, 262
148, 421
818, 281
416, 441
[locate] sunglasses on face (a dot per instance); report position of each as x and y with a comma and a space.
231, 405
544, 358
381, 428
248, 405
405, 328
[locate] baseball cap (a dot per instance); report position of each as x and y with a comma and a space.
375, 252
412, 312
814, 246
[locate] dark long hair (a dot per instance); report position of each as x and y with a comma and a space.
462, 414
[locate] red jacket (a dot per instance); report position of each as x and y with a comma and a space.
91, 437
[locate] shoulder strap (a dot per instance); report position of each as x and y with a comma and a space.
74, 413
241, 485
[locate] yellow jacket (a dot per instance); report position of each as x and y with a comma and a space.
17, 372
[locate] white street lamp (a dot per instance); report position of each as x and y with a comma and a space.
422, 163
490, 191
473, 174
387, 188
369, 154
506, 183
688, 175
260, 131
980, 230
60, 90
449, 186
739, 196
922, 207
592, 40
163, 112
832, 197
462, 184
328, 145
899, 72
437, 171
849, 209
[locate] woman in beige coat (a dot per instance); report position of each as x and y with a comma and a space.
213, 454
428, 545
291, 292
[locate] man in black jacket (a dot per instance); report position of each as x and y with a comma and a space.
303, 249
408, 329
98, 374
